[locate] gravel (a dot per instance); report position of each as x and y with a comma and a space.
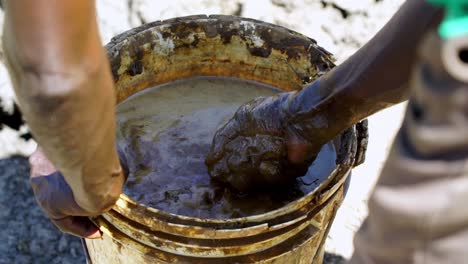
27, 235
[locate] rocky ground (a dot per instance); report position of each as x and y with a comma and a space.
27, 236
341, 26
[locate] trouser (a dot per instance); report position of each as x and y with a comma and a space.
418, 211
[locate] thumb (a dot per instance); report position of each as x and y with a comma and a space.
300, 151
78, 226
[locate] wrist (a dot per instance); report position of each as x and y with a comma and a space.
99, 195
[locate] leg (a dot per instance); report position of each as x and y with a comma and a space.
417, 212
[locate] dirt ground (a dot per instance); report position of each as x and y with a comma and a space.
341, 26
27, 235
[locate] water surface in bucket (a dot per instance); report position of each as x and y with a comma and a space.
165, 133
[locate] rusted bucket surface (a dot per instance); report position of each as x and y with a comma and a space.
230, 46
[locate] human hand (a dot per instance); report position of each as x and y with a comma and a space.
56, 199
259, 146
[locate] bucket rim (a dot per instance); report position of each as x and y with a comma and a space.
141, 213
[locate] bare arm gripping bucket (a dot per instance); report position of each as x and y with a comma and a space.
229, 46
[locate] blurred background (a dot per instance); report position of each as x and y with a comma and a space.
340, 26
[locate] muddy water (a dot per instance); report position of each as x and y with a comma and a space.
165, 133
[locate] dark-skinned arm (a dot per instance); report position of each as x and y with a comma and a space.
285, 132
374, 78
64, 87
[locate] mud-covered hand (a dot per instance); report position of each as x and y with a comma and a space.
55, 197
260, 146
370, 80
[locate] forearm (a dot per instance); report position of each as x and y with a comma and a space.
64, 87
374, 78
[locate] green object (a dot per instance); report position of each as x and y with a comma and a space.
455, 22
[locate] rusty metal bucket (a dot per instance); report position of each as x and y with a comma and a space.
164, 51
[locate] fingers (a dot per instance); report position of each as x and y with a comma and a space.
270, 170
221, 138
56, 199
251, 161
55, 196
78, 226
244, 120
250, 149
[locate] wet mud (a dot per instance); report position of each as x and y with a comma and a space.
164, 134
